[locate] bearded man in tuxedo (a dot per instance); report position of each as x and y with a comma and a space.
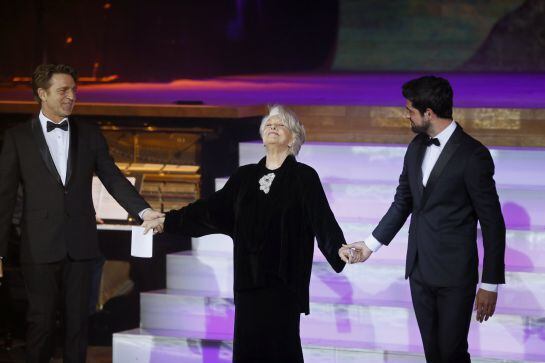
447, 186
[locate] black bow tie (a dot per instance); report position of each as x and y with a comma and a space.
52, 126
433, 141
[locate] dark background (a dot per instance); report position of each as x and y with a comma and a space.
162, 40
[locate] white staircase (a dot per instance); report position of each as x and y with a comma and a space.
363, 314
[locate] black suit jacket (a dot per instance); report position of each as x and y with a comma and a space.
58, 220
443, 228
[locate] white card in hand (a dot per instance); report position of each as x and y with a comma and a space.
141, 244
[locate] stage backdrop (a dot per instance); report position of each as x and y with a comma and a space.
402, 35
161, 40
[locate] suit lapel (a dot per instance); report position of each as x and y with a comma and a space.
450, 149
44, 149
72, 152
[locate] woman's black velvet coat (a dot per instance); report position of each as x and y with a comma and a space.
303, 211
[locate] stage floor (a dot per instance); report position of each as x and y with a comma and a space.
514, 90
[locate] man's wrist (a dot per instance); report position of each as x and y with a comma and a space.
142, 212
489, 287
372, 243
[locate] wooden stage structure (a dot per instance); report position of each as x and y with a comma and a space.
515, 127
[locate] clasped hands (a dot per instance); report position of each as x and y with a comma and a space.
153, 220
355, 252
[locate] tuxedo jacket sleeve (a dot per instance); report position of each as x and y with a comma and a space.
484, 197
114, 180
9, 181
400, 208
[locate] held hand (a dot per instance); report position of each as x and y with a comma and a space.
355, 252
345, 253
361, 252
485, 304
156, 224
151, 214
99, 220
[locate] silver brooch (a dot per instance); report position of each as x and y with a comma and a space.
265, 183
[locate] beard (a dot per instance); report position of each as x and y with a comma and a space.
421, 129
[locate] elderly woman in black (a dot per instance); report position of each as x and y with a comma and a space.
272, 210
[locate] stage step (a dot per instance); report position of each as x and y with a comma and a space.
525, 249
166, 346
522, 206
393, 328
375, 162
362, 284
160, 346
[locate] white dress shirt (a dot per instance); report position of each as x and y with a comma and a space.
430, 158
58, 142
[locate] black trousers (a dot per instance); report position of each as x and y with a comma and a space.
49, 286
267, 326
7, 310
443, 315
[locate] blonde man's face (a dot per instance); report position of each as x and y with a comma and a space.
59, 99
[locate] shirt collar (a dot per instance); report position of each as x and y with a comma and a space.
445, 135
43, 121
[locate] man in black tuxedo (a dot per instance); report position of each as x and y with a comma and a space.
53, 158
446, 186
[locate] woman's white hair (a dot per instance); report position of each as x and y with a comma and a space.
291, 121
